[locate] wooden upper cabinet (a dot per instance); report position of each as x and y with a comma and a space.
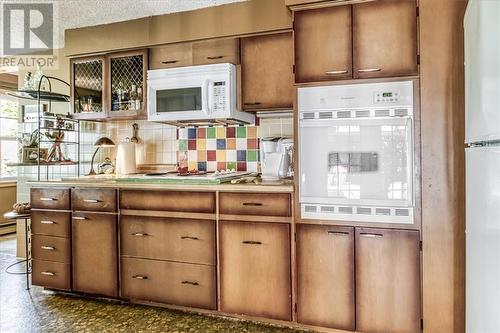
171, 55
323, 44
385, 38
214, 51
387, 281
267, 72
325, 276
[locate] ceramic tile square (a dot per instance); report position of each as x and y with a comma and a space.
252, 155
192, 144
182, 133
231, 143
230, 132
241, 166
202, 166
231, 155
202, 133
221, 144
191, 133
241, 132
211, 166
192, 155
252, 132
221, 156
221, 166
231, 165
241, 143
241, 155
211, 144
252, 143
211, 133
211, 155
183, 145
202, 155
221, 132
192, 165
252, 166
201, 144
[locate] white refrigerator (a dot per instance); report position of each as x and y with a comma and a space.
482, 125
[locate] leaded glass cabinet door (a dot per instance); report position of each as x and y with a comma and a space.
88, 87
127, 89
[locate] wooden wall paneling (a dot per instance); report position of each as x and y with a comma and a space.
443, 165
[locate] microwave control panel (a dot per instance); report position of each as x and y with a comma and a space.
386, 97
219, 94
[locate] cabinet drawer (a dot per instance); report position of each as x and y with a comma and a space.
51, 248
50, 274
216, 51
50, 223
50, 198
168, 282
270, 204
176, 201
170, 239
169, 56
97, 200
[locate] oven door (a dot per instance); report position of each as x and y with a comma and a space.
357, 162
180, 99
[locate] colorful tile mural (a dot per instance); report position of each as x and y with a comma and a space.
219, 148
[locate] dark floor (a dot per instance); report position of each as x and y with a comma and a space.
37, 310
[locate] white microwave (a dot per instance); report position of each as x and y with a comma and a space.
196, 95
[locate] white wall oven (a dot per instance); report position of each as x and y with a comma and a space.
195, 95
356, 152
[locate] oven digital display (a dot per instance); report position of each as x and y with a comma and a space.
387, 94
354, 162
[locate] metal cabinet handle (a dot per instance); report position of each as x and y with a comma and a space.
48, 199
345, 71
252, 242
215, 57
338, 233
256, 103
140, 277
190, 282
189, 237
140, 234
370, 235
79, 218
50, 248
47, 222
167, 62
369, 70
91, 200
253, 204
48, 273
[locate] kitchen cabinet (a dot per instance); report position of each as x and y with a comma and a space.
109, 86
94, 253
323, 44
268, 204
365, 40
171, 55
387, 281
325, 276
267, 72
255, 269
214, 51
385, 38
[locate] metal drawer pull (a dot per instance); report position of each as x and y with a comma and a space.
216, 57
253, 204
256, 103
79, 218
47, 222
369, 70
140, 277
91, 200
191, 283
363, 234
51, 248
48, 199
140, 234
252, 242
338, 233
48, 273
189, 237
167, 62
337, 72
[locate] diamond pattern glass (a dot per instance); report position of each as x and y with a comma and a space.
127, 83
88, 86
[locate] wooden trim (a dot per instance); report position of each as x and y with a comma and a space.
255, 218
156, 213
6, 184
297, 5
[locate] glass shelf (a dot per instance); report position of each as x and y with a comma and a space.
42, 163
45, 96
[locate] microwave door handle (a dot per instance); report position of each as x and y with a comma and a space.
208, 102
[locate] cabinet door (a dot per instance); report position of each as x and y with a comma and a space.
255, 269
323, 44
267, 71
216, 51
385, 38
94, 249
387, 281
127, 86
325, 276
88, 87
172, 55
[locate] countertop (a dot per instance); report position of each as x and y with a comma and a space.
111, 182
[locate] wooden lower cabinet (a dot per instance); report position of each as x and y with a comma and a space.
387, 281
94, 253
51, 274
255, 269
325, 276
169, 282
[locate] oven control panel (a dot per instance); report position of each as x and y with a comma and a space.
219, 96
385, 97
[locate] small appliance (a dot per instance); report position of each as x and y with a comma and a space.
195, 95
356, 152
276, 158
